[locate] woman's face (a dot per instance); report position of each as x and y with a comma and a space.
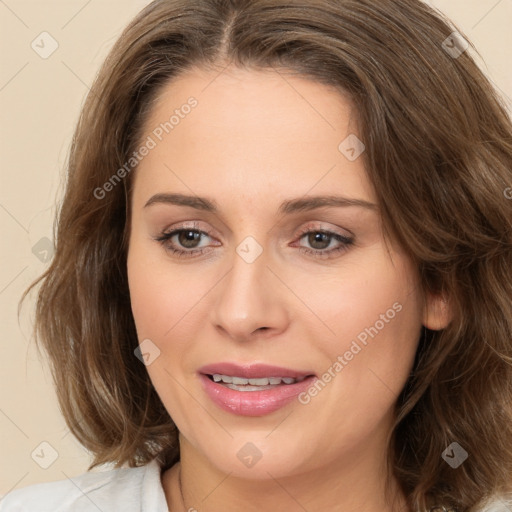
280, 262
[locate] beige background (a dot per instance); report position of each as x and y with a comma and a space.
40, 101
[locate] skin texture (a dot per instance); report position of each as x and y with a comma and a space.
256, 139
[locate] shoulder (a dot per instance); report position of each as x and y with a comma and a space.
128, 489
498, 503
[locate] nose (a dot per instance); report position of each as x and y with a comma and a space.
250, 302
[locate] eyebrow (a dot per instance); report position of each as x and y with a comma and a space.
287, 207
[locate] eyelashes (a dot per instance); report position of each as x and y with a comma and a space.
181, 242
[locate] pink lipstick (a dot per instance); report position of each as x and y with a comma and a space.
253, 389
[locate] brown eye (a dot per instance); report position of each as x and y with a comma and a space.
318, 240
188, 238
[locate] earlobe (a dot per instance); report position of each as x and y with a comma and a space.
437, 312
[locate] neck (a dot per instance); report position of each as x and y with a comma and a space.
357, 483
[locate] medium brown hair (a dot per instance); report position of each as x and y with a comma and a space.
439, 154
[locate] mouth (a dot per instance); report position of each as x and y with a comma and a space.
255, 389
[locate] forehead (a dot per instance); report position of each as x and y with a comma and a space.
249, 126
263, 98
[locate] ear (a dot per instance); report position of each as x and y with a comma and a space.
437, 313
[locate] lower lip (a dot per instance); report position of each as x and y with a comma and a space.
254, 403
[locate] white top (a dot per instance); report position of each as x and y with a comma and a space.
124, 489
114, 490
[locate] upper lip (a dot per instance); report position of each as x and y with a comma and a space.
252, 371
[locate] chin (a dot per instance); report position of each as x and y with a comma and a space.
257, 459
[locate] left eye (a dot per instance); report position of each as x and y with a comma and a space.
321, 240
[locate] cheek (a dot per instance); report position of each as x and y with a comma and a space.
162, 303
373, 311
160, 297
369, 299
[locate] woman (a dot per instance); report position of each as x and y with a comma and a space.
282, 272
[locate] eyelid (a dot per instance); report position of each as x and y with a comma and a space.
316, 226
192, 225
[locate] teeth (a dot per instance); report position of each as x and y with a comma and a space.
261, 382
264, 381
248, 388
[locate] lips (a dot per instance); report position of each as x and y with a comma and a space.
253, 389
